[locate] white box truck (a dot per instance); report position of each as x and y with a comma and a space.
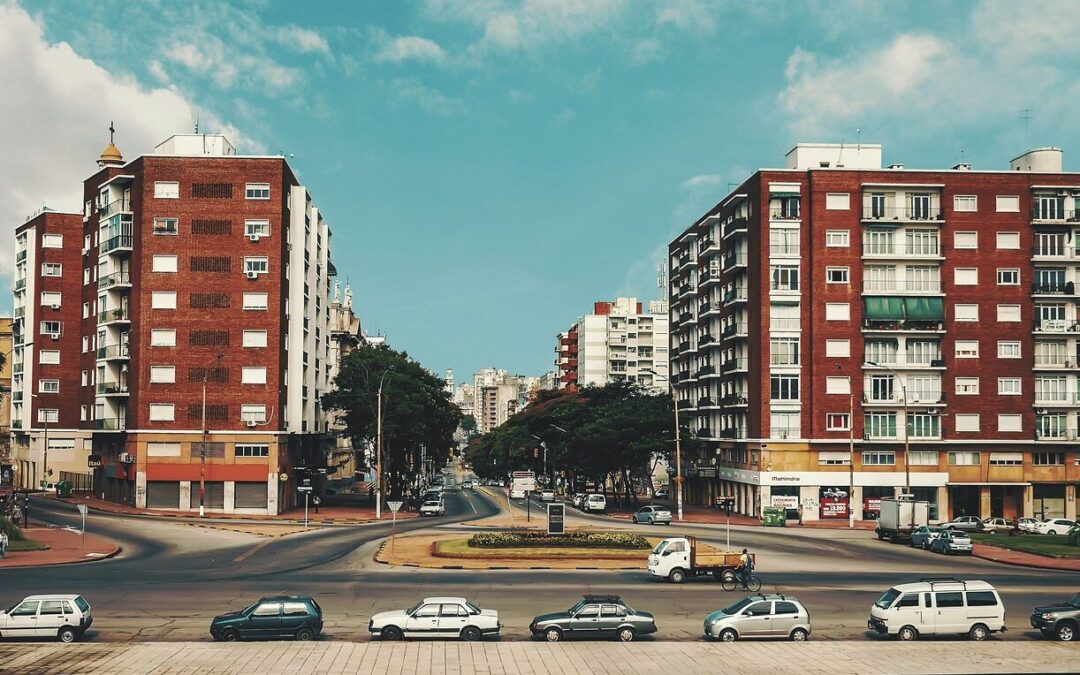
900, 516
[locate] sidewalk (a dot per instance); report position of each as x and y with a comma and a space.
705, 515
1011, 557
65, 546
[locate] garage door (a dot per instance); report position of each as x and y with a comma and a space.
215, 494
163, 494
250, 495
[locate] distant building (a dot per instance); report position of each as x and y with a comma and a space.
7, 473
346, 336
618, 341
496, 396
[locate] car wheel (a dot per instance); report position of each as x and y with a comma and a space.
625, 634
1053, 532
677, 576
799, 635
553, 635
471, 634
230, 635
392, 634
67, 634
979, 632
1066, 632
907, 634
651, 521
305, 635
728, 635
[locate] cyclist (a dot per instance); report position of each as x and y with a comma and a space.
745, 568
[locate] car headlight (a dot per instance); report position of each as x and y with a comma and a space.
1049, 615
714, 622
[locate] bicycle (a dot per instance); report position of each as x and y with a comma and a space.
753, 584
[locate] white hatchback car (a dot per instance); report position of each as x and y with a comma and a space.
65, 617
454, 618
433, 508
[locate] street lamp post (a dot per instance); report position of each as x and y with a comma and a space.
378, 447
678, 445
202, 446
45, 448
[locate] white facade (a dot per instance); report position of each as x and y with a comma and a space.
624, 344
496, 396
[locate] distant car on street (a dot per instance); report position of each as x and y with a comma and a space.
1054, 526
951, 541
453, 618
1060, 620
653, 515
280, 616
1028, 524
64, 617
661, 493
594, 502
965, 523
433, 508
997, 525
779, 616
467, 484
547, 495
925, 534
593, 617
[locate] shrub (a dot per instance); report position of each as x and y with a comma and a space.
9, 526
529, 538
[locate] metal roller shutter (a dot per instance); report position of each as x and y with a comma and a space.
250, 495
163, 494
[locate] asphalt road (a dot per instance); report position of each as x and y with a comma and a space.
173, 578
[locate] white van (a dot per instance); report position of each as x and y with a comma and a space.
939, 606
594, 502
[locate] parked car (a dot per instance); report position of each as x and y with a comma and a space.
576, 500
997, 525
454, 618
1054, 526
925, 534
938, 607
280, 616
1061, 620
594, 502
1028, 524
951, 541
433, 508
661, 493
594, 616
653, 515
547, 495
65, 617
760, 616
965, 523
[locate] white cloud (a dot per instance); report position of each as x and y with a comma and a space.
564, 117
301, 40
411, 48
518, 96
51, 137
705, 180
696, 16
430, 100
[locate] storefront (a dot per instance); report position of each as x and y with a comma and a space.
1049, 500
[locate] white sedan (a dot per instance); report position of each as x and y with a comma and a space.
433, 508
547, 495
454, 618
1054, 526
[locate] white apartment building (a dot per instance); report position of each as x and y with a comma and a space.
619, 341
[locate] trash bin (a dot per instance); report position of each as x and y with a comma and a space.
773, 517
63, 489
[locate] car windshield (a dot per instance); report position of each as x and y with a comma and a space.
473, 609
412, 610
431, 503
250, 608
887, 598
577, 607
660, 548
737, 607
1075, 602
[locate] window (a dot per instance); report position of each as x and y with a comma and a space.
254, 338
951, 599
966, 240
164, 263
923, 352
923, 425
163, 300
837, 385
838, 422
967, 385
837, 311
1008, 204
880, 351
879, 458
838, 348
967, 312
967, 349
253, 375
49, 386
53, 328
837, 201
1008, 349
162, 412
274, 609
49, 357
259, 228
880, 425
1008, 313
1048, 458
881, 388
255, 300
1010, 422
785, 277
50, 299
923, 458
784, 387
166, 226
85, 344
981, 599
964, 458
257, 191
784, 351
52, 241
162, 449
967, 276
256, 265
166, 189
1007, 276
163, 337
253, 413
965, 203
837, 238
1006, 459
50, 415
252, 450
52, 270
1008, 241
1008, 386
836, 275
163, 374
86, 310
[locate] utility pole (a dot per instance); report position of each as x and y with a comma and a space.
202, 446
678, 444
378, 448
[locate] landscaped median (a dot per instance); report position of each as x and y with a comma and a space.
1032, 550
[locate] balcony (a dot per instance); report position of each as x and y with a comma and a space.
17, 368
686, 289
734, 260
1055, 252
705, 371
909, 363
1062, 288
1054, 213
112, 389
685, 347
733, 432
734, 400
704, 339
908, 286
735, 295
114, 280
1056, 399
110, 424
781, 292
1056, 326
17, 395
737, 329
911, 326
735, 226
709, 308
784, 250
113, 353
734, 365
926, 250
785, 432
20, 284
784, 214
706, 402
114, 207
707, 277
120, 243
20, 256
705, 432
707, 247
20, 312
685, 405
918, 214
1053, 432
114, 316
1056, 363
686, 316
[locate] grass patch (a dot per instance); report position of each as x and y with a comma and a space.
460, 548
1039, 544
577, 540
26, 545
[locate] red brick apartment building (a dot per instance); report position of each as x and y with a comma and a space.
844, 332
189, 269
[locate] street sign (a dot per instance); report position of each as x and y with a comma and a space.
82, 509
393, 506
556, 518
93, 461
303, 488
284, 478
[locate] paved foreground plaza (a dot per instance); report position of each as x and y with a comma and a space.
667, 658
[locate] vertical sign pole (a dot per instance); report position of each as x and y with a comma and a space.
306, 497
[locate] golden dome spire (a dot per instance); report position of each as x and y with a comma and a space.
111, 156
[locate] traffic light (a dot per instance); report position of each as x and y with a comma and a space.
536, 453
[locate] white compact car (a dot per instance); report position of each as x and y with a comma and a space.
57, 616
433, 508
939, 606
547, 495
1053, 526
454, 618
594, 502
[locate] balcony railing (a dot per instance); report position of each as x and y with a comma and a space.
110, 424
733, 260
737, 328
734, 226
20, 312
703, 339
784, 250
1057, 326
114, 207
1051, 399
17, 368
918, 213
111, 388
120, 241
704, 432
735, 295
706, 370
928, 250
1063, 288
1057, 214
684, 404
704, 245
1056, 362
789, 287
705, 402
17, 395
114, 279
708, 277
734, 399
111, 315
785, 432
1061, 251
894, 286
784, 214
706, 308
113, 352
733, 432
734, 364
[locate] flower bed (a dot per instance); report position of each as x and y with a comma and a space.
531, 538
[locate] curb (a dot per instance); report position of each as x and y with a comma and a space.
1037, 564
82, 561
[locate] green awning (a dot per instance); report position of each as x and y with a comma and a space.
883, 309
924, 309
883, 224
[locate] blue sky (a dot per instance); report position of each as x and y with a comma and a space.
492, 168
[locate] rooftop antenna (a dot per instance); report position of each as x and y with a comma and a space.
196, 123
1025, 117
840, 155
858, 145
282, 153
112, 131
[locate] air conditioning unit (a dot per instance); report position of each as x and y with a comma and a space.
251, 423
251, 275
56, 307
55, 336
254, 237
126, 458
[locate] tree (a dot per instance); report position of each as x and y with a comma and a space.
418, 419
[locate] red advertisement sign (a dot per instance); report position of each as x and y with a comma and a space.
872, 504
834, 508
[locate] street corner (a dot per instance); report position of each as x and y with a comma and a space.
45, 546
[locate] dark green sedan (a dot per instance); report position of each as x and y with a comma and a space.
595, 617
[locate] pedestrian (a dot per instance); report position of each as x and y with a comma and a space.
3, 543
316, 502
800, 515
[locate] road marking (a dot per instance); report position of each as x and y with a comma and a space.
252, 551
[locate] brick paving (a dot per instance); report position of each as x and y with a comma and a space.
538, 658
65, 546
